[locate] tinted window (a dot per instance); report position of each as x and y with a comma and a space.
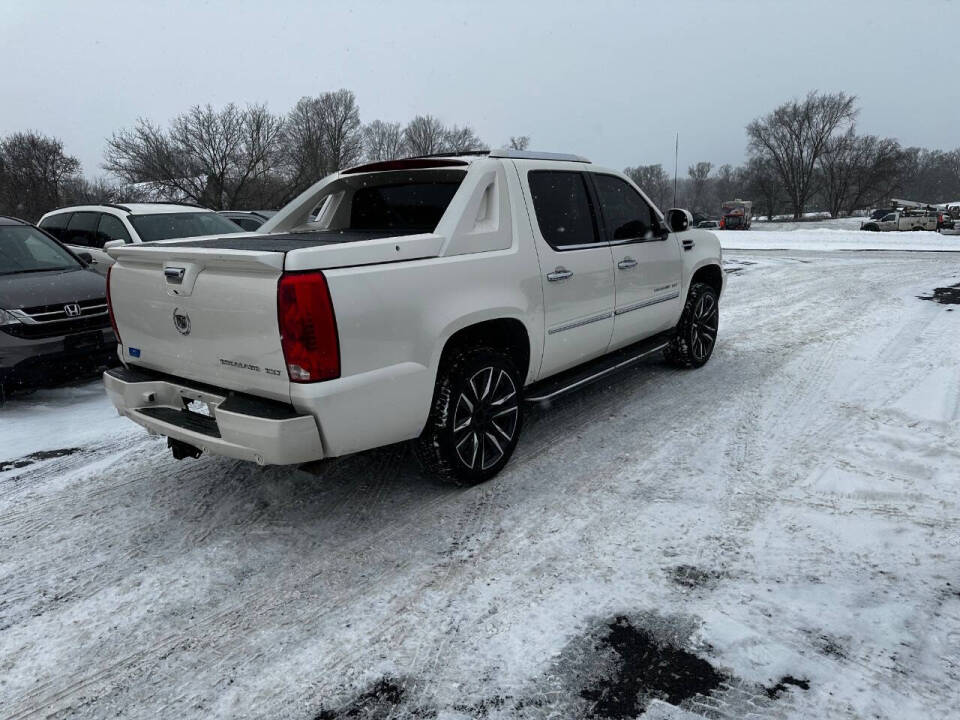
111, 228
412, 207
248, 224
165, 226
56, 224
26, 249
626, 214
563, 208
82, 229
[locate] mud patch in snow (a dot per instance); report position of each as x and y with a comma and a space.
36, 457
786, 681
380, 700
645, 669
692, 577
944, 295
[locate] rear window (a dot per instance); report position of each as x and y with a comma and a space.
410, 207
166, 226
56, 224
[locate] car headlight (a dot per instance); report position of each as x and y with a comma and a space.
8, 318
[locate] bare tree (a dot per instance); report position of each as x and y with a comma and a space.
727, 184
424, 135
323, 134
213, 158
342, 132
699, 175
794, 137
382, 140
34, 170
762, 181
653, 180
858, 171
519, 142
461, 139
876, 164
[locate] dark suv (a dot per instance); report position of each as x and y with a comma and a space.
54, 319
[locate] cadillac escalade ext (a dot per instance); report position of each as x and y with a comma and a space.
424, 299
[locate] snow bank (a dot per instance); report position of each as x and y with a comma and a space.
827, 239
79, 415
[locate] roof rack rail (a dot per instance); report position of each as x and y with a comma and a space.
448, 153
100, 204
171, 202
536, 155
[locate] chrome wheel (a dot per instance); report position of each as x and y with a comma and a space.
703, 329
485, 418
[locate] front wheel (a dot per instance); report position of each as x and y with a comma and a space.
696, 333
475, 419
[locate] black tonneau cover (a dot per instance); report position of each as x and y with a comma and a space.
288, 241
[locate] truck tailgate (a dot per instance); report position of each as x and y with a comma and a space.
205, 315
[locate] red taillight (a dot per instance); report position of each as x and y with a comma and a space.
113, 320
308, 327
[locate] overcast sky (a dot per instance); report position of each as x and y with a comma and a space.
610, 80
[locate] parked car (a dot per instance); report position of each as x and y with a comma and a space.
708, 225
426, 301
248, 220
904, 220
90, 228
53, 309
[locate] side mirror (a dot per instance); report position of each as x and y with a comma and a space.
86, 257
113, 243
678, 220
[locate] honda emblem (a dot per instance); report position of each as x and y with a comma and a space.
72, 310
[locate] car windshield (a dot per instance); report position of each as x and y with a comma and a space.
166, 226
25, 249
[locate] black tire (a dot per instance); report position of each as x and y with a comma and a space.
475, 419
871, 227
696, 333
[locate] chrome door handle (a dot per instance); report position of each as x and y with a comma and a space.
561, 273
627, 263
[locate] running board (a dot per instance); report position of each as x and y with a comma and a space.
593, 370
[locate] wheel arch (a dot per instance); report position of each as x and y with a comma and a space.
505, 333
709, 274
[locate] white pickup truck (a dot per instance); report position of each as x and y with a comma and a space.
903, 220
422, 299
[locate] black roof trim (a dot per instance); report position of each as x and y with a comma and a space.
12, 220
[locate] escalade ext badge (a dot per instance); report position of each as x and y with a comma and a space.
181, 321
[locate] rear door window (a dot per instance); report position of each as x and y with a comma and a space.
82, 229
56, 224
627, 216
111, 228
562, 205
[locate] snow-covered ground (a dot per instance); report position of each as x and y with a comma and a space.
776, 534
826, 235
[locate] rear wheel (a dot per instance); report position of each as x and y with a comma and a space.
696, 333
475, 420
